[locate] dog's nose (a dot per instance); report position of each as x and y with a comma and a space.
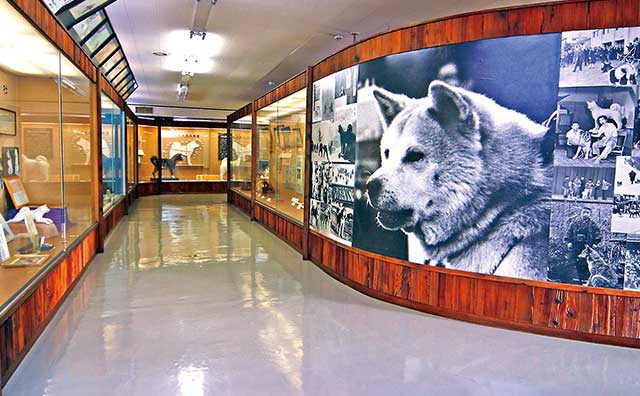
374, 187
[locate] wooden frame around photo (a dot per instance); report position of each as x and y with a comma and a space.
5, 126
16, 191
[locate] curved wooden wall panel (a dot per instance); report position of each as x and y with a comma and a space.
582, 313
288, 230
293, 85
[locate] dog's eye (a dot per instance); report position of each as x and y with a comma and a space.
414, 156
386, 154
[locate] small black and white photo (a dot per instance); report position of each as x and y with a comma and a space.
632, 269
327, 87
332, 196
627, 181
626, 214
11, 161
594, 126
582, 249
334, 141
578, 183
317, 103
346, 89
600, 57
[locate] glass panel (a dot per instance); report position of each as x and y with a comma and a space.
78, 140
30, 140
116, 71
289, 135
98, 38
106, 51
112, 61
193, 153
80, 30
241, 156
124, 81
266, 178
127, 87
112, 152
147, 148
131, 155
86, 7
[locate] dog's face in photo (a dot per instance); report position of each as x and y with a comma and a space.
431, 163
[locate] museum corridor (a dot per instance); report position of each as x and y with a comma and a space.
191, 298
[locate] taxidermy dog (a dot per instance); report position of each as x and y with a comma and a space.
603, 274
464, 178
170, 164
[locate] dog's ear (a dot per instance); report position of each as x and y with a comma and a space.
447, 103
389, 104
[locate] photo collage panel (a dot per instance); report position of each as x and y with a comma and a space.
595, 218
333, 153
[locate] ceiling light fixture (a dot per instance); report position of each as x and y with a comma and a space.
338, 37
160, 53
355, 36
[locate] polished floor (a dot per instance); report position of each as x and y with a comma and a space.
191, 298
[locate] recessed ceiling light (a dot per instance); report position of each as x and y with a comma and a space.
159, 53
271, 83
338, 37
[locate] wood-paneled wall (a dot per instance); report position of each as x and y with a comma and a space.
240, 201
288, 230
113, 217
291, 86
21, 327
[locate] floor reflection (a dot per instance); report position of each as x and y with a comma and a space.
191, 298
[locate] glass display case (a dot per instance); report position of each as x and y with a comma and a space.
47, 162
131, 155
241, 156
113, 181
147, 149
281, 151
190, 154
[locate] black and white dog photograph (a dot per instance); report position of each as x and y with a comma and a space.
582, 249
453, 159
626, 214
579, 183
594, 125
627, 181
332, 196
600, 57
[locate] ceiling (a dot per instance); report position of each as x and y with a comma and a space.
261, 41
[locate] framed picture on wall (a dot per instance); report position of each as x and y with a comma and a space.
10, 161
8, 122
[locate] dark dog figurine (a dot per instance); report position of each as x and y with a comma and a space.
170, 164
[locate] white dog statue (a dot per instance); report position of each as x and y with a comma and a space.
38, 215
